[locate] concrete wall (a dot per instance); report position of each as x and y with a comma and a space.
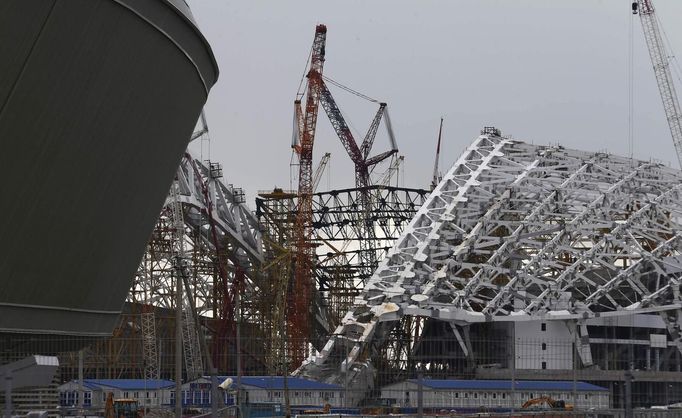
536, 348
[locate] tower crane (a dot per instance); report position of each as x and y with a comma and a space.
661, 64
305, 121
671, 105
305, 124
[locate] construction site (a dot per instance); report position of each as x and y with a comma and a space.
524, 280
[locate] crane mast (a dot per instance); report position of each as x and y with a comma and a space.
661, 64
305, 121
305, 253
436, 174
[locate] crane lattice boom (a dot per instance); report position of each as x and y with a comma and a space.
301, 296
320, 169
664, 79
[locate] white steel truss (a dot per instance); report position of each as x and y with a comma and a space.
521, 232
202, 190
208, 205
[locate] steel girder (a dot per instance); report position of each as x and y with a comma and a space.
339, 269
337, 224
200, 187
519, 232
206, 201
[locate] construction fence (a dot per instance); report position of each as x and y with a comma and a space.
501, 374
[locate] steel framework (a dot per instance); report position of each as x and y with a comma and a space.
262, 249
256, 250
224, 251
517, 232
339, 269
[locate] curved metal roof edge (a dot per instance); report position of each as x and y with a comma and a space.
267, 382
189, 17
128, 384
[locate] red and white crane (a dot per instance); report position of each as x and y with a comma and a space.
298, 307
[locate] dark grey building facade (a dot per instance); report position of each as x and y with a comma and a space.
98, 99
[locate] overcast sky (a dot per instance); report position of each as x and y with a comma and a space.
543, 71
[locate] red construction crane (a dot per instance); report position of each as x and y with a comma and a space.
304, 136
301, 295
661, 63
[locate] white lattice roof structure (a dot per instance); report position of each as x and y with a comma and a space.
518, 232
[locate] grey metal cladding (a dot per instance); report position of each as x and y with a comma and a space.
174, 19
96, 107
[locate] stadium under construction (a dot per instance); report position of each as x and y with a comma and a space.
549, 270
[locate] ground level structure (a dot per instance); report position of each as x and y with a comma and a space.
302, 393
493, 394
148, 393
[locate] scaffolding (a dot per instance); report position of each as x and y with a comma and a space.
340, 269
230, 249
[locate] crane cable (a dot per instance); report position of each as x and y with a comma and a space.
348, 89
356, 93
301, 85
387, 120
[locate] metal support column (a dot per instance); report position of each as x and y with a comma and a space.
178, 345
628, 394
420, 394
8, 394
81, 393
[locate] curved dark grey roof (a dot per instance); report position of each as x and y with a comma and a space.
174, 19
98, 99
183, 7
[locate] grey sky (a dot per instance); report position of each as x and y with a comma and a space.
543, 71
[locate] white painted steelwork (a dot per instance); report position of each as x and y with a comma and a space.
521, 232
205, 201
235, 222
